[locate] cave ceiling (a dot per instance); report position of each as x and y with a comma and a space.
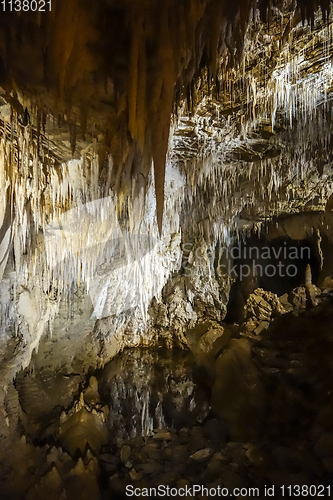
238, 84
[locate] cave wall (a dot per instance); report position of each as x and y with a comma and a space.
256, 149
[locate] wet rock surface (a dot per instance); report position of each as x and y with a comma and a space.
260, 416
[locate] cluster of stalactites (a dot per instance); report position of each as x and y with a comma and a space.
58, 230
34, 190
189, 37
152, 51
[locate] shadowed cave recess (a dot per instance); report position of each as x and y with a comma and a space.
166, 249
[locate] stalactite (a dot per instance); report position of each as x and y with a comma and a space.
83, 121
72, 135
141, 108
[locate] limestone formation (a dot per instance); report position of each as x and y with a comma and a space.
141, 144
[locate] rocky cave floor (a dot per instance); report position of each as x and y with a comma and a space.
259, 412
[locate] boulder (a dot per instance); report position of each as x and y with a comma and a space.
238, 396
